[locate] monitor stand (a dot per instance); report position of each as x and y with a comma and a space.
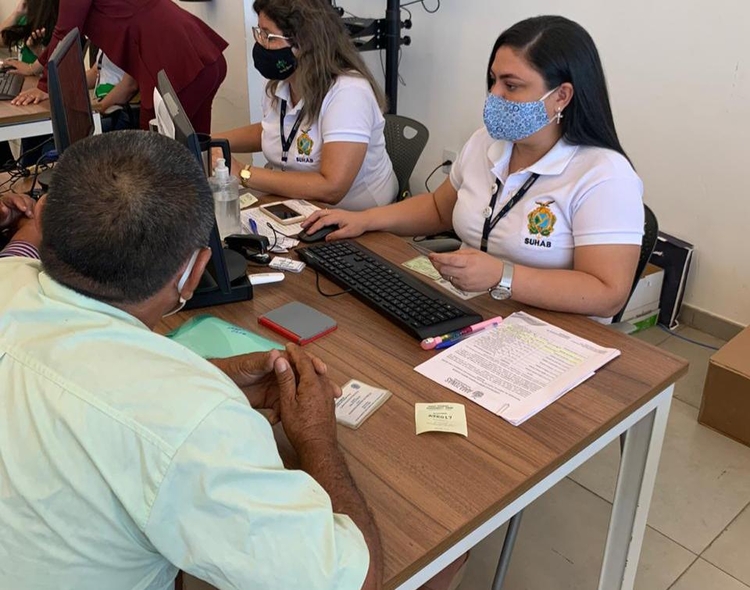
225, 279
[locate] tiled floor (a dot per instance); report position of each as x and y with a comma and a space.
698, 535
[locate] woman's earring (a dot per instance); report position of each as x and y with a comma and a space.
559, 115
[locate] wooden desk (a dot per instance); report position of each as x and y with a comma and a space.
17, 122
435, 496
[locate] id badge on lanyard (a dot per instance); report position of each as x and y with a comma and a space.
286, 142
489, 221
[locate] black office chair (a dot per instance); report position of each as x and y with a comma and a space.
650, 236
405, 139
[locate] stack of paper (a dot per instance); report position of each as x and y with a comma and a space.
518, 368
357, 403
277, 233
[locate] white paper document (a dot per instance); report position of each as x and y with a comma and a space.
518, 368
163, 120
279, 241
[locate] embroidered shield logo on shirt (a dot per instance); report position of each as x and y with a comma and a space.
542, 219
304, 144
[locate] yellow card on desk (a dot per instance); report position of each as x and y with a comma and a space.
247, 200
441, 417
422, 265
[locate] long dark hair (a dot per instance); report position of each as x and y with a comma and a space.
40, 14
562, 51
324, 50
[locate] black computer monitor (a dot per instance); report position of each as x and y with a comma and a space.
226, 278
70, 106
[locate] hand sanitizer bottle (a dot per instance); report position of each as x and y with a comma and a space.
225, 189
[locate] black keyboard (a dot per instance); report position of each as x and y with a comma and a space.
421, 310
10, 85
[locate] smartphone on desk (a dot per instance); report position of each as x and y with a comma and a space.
282, 213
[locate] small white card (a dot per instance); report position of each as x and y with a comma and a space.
441, 417
281, 263
357, 403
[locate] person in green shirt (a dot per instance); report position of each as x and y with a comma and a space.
29, 30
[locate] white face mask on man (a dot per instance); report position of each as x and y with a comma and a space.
181, 283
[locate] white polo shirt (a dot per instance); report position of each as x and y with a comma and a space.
349, 113
584, 196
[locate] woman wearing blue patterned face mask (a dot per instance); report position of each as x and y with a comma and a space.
543, 197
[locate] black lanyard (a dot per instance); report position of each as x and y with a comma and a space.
490, 223
286, 142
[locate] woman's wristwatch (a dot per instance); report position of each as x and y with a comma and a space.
245, 175
503, 289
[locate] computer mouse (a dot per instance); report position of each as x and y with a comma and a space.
317, 236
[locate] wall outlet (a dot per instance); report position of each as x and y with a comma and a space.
451, 155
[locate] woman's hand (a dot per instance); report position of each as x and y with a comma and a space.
35, 42
99, 106
30, 96
468, 269
20, 68
351, 223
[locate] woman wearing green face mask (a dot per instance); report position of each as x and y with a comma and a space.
322, 125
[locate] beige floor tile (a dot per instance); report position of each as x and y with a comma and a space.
703, 576
653, 335
702, 485
690, 388
561, 544
730, 552
662, 561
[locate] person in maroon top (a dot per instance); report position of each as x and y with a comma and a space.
144, 37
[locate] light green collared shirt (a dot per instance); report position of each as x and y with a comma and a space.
124, 456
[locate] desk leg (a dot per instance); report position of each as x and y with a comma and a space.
635, 484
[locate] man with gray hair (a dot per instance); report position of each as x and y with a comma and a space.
123, 455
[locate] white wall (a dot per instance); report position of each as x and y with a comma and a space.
227, 17
680, 87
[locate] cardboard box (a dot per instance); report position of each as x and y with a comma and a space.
726, 394
646, 296
642, 322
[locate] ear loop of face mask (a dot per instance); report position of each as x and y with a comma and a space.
181, 283
558, 115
